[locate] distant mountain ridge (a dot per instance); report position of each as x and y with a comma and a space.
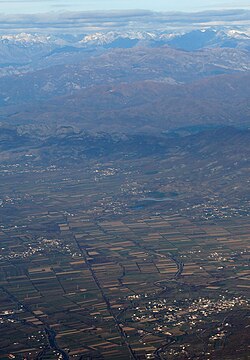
103, 38
25, 49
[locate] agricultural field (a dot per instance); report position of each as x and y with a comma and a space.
100, 261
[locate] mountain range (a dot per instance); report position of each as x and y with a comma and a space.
129, 82
33, 50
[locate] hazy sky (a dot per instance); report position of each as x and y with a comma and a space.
87, 16
36, 6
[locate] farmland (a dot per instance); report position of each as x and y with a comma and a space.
103, 261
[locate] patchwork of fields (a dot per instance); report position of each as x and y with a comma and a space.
84, 276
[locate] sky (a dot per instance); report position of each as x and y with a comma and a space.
39, 6
88, 16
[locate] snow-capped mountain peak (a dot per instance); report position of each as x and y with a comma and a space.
25, 38
238, 34
107, 38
